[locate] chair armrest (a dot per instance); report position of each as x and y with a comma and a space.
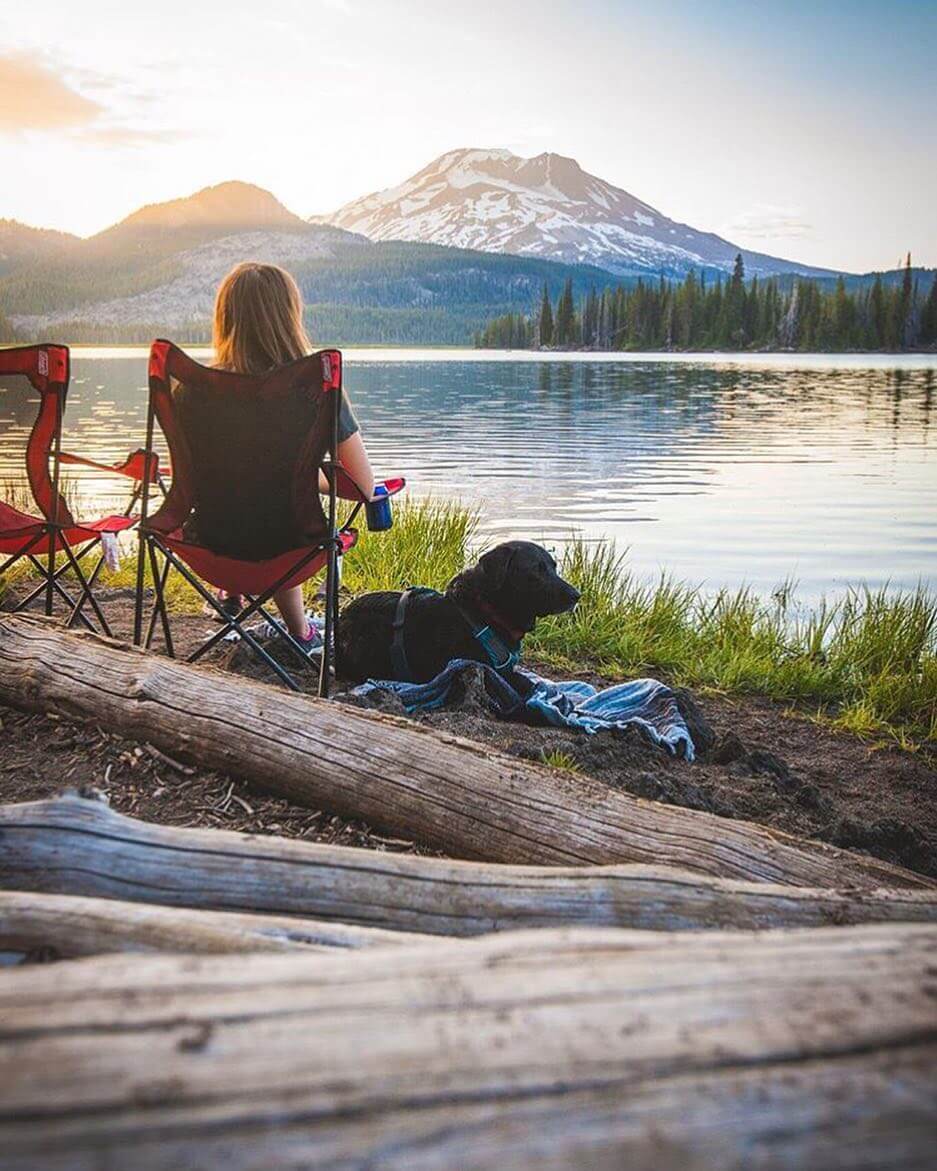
347, 489
133, 467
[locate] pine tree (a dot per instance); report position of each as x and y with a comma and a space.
877, 315
545, 324
590, 320
928, 334
789, 325
732, 331
566, 316
907, 306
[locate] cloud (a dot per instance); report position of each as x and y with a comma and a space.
33, 97
766, 220
36, 98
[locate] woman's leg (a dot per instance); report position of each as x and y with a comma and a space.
290, 604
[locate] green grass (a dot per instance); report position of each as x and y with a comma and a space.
866, 662
430, 543
558, 759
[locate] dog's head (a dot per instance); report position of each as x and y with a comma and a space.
519, 581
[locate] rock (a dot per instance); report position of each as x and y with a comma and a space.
669, 790
887, 838
760, 760
730, 748
810, 797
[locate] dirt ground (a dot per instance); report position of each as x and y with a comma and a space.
761, 763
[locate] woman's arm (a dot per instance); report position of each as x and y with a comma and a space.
353, 456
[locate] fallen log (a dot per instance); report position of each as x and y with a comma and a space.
75, 845
67, 926
529, 1050
441, 790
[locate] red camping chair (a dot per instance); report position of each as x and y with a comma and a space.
55, 529
261, 442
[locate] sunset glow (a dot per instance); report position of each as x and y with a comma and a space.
809, 133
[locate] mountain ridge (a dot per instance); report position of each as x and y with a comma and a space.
157, 270
220, 207
493, 200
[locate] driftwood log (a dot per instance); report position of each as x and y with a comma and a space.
74, 845
599, 1049
52, 926
441, 790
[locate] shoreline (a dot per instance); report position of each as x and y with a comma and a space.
358, 352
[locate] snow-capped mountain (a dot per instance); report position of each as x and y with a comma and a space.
548, 206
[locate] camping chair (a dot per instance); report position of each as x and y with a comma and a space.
262, 441
40, 538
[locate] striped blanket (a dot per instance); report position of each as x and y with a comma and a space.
522, 695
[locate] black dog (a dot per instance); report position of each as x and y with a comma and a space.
483, 615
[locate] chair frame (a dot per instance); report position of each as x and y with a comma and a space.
152, 546
49, 374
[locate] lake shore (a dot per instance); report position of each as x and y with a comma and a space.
356, 352
824, 725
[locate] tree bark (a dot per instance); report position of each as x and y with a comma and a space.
67, 926
441, 790
77, 846
551, 1049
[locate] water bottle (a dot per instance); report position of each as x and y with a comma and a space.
378, 511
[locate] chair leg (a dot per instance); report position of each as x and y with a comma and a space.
331, 593
50, 571
159, 603
262, 653
230, 624
256, 606
24, 552
282, 632
57, 587
138, 600
77, 608
42, 570
86, 592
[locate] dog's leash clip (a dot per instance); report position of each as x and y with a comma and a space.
493, 646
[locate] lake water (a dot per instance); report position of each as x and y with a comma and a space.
717, 469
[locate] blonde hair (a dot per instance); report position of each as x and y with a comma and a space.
258, 323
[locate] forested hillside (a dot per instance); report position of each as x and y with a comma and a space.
356, 291
887, 312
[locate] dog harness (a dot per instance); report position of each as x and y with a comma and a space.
500, 654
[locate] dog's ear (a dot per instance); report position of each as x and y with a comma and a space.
494, 566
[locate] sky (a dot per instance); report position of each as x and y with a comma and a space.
802, 129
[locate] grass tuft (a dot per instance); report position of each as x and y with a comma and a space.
556, 758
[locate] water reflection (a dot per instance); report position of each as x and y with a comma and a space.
716, 471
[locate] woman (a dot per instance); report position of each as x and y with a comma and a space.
258, 326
